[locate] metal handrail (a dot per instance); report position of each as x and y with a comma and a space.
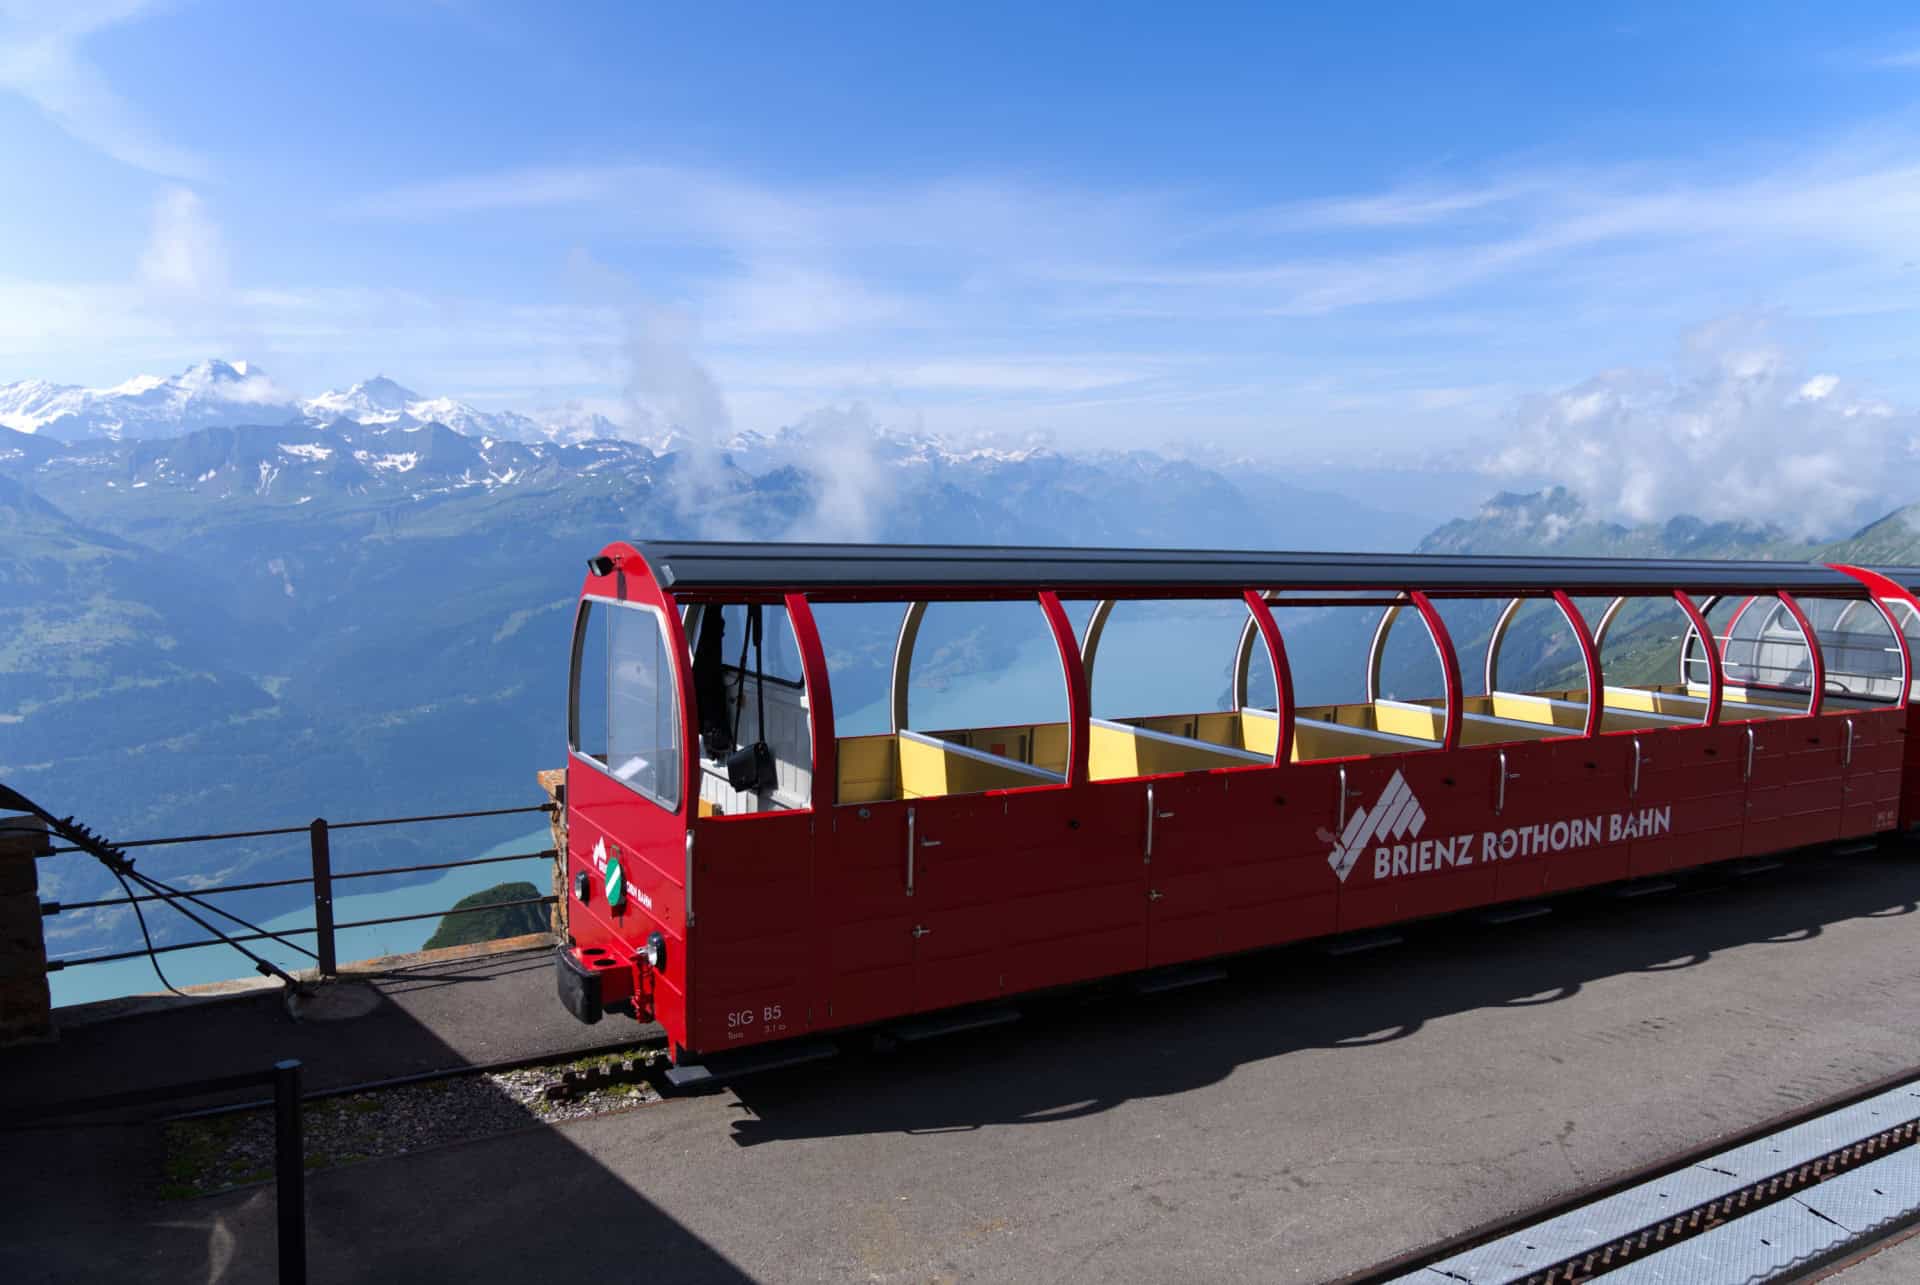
76, 961
302, 829
320, 878
215, 890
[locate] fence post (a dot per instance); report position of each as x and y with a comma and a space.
322, 895
290, 1171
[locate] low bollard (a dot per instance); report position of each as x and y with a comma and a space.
289, 1173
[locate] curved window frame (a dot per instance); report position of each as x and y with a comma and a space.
664, 648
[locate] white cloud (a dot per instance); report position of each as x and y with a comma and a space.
964, 216
1734, 431
41, 59
853, 487
788, 299
1024, 374
184, 258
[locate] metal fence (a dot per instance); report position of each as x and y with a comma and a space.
322, 879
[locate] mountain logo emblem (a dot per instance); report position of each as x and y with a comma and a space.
1396, 815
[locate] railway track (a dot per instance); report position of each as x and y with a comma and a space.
1781, 1201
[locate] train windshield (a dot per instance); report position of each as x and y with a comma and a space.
625, 713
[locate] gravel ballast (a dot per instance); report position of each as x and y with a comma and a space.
216, 1153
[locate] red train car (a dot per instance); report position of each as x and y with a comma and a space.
742, 874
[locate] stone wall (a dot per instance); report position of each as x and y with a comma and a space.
26, 1005
554, 782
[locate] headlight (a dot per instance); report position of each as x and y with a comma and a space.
582, 885
655, 951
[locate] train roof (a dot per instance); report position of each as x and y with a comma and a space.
696, 566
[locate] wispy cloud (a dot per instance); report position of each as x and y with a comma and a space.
42, 59
1734, 429
1165, 254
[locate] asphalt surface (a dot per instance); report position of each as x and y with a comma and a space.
1298, 1122
1895, 1263
417, 1018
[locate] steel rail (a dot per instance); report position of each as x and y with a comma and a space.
1415, 1260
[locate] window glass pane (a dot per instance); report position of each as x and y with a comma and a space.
625, 712
588, 725
643, 731
782, 653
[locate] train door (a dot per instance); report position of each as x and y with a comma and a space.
1278, 884
1076, 904
1874, 754
951, 899
1686, 804
1869, 691
1794, 786
1542, 834
979, 860
869, 912
751, 902
1186, 842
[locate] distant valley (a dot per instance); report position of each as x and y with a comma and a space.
255, 623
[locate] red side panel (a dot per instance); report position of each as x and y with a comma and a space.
1275, 886
753, 940
1412, 829
650, 845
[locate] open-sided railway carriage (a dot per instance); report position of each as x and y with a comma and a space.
742, 874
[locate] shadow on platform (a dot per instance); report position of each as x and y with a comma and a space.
1081, 1054
83, 1201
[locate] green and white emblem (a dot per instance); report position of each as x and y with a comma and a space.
616, 884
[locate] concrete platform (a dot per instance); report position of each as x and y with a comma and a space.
1297, 1122
383, 1018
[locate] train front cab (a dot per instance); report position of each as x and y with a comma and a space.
868, 877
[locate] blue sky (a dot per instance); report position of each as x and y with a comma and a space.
1334, 231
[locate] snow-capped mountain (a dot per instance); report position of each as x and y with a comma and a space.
222, 394
226, 394
205, 395
382, 401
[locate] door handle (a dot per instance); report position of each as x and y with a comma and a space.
1154, 894
929, 843
1148, 860
1749, 775
1500, 785
919, 932
1846, 757
910, 825
1633, 786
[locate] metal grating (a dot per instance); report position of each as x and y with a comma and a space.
1816, 1224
